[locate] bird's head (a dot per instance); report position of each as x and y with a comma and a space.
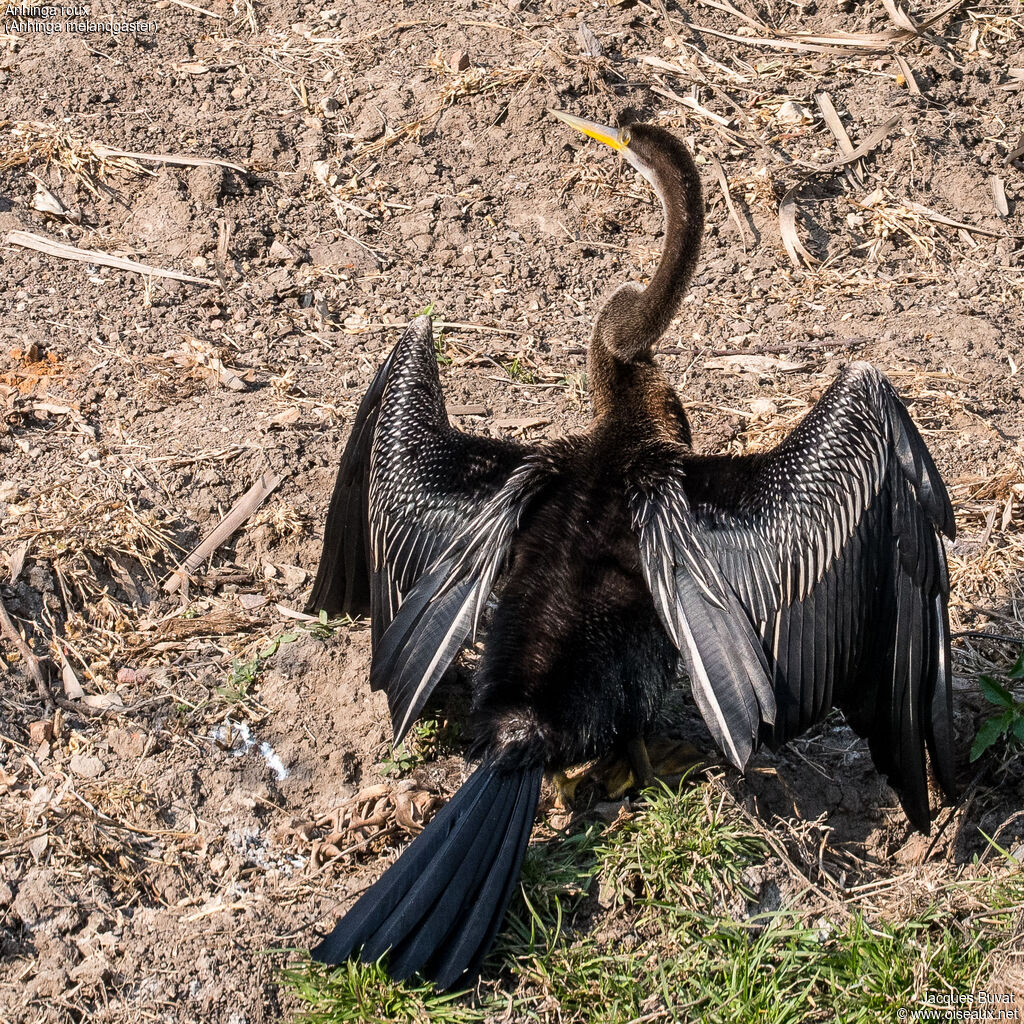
657, 154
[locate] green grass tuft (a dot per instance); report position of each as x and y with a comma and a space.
672, 933
686, 850
364, 993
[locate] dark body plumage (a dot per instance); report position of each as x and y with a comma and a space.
785, 584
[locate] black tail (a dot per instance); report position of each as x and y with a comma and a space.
437, 909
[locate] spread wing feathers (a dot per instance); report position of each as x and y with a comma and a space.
443, 608
828, 548
407, 485
722, 653
342, 581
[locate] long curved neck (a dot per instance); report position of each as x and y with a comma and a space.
634, 318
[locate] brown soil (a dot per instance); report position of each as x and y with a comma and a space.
398, 156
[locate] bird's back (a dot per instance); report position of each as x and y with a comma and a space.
575, 640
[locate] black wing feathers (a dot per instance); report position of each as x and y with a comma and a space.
443, 608
407, 485
342, 584
830, 546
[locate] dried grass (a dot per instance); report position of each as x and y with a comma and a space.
31, 143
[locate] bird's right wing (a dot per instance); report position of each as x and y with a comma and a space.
443, 608
407, 485
824, 552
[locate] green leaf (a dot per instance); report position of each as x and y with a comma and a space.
426, 310
989, 732
1017, 672
323, 617
1018, 729
995, 693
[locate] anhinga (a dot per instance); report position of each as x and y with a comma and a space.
785, 583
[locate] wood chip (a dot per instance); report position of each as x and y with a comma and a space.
72, 687
17, 560
29, 240
292, 613
999, 196
238, 514
46, 202
798, 255
723, 183
103, 701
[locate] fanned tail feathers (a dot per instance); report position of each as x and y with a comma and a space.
437, 909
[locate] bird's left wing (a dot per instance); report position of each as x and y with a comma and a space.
825, 553
407, 485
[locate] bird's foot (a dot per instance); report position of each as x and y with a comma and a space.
565, 789
641, 765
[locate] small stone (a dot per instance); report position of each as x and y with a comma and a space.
41, 731
330, 106
87, 766
459, 60
280, 251
294, 575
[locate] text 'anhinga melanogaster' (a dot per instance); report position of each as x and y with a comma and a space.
784, 583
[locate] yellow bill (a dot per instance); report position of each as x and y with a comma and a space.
617, 138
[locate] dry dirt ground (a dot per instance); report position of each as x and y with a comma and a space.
187, 806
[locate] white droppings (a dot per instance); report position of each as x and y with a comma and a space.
274, 763
236, 738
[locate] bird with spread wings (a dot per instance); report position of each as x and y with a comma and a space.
784, 584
